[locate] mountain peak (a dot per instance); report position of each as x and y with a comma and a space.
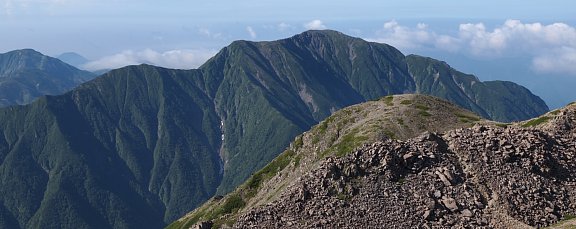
73, 59
23, 54
26, 74
323, 36
18, 60
155, 143
29, 59
325, 32
27, 51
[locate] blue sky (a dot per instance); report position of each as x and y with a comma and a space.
535, 38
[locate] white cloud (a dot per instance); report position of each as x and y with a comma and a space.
251, 32
315, 24
403, 37
561, 60
551, 46
208, 33
179, 59
284, 26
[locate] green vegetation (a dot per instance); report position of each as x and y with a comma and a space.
555, 112
465, 118
185, 224
390, 134
495, 100
423, 110
406, 102
424, 114
107, 153
324, 125
298, 143
146, 140
297, 161
343, 196
565, 223
537, 121
469, 117
270, 170
22, 71
422, 107
236, 200
327, 133
348, 143
389, 100
503, 125
231, 205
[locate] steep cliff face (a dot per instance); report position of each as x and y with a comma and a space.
302, 80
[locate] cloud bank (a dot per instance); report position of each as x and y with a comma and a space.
562, 60
551, 47
178, 59
315, 24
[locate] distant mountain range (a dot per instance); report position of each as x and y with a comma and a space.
73, 59
140, 146
26, 75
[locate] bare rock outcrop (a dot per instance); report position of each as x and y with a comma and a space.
480, 177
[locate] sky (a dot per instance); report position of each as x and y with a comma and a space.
531, 42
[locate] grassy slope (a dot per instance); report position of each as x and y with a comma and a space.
118, 152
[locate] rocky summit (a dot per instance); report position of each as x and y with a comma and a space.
506, 176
